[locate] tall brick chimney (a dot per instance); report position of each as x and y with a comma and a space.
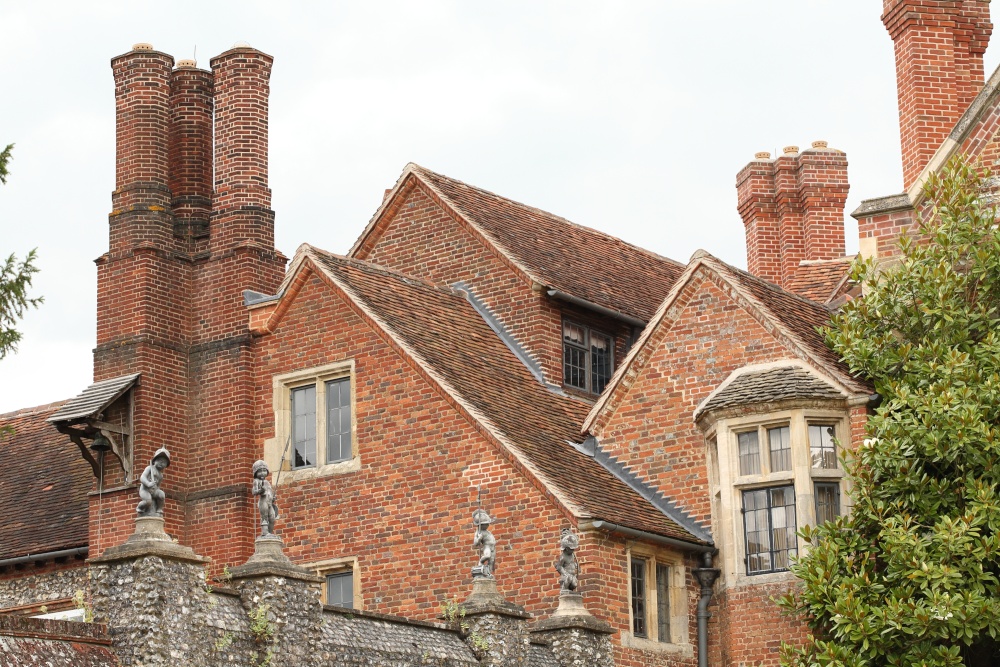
182, 250
939, 48
793, 209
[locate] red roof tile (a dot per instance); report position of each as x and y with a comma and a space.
818, 281
561, 255
43, 488
454, 343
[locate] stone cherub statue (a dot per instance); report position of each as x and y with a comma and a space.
266, 501
484, 543
150, 495
567, 565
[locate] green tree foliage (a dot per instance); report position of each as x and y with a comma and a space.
15, 279
911, 576
4, 161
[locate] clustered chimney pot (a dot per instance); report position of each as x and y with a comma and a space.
790, 150
820, 145
762, 155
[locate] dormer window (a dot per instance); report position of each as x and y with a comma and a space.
588, 357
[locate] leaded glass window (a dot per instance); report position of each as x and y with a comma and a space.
338, 420
822, 448
769, 528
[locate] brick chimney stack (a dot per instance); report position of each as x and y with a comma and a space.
191, 149
793, 209
182, 250
939, 48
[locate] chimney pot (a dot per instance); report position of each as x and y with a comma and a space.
142, 46
820, 145
242, 45
762, 155
790, 150
187, 64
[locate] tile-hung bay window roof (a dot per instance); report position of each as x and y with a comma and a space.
441, 330
770, 385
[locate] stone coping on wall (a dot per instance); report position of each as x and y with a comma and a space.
52, 629
591, 623
400, 620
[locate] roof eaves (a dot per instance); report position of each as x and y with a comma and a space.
94, 399
772, 365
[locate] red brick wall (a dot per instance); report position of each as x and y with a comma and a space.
939, 46
652, 429
407, 513
752, 627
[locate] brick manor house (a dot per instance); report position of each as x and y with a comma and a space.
471, 350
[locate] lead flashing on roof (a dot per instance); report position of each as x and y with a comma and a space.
512, 343
592, 448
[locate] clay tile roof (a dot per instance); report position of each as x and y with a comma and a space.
818, 281
457, 345
94, 399
43, 488
770, 384
561, 255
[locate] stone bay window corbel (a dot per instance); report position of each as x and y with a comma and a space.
99, 421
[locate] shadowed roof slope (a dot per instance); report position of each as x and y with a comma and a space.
817, 281
454, 343
555, 252
43, 488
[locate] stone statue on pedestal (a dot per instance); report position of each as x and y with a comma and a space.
484, 543
266, 502
567, 565
151, 497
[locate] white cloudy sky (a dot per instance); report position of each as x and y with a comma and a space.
631, 117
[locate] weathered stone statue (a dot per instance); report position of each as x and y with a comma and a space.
484, 543
150, 495
567, 565
266, 502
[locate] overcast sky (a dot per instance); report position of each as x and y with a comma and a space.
629, 117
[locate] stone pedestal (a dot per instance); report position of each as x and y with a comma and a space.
496, 630
149, 539
283, 603
151, 593
576, 637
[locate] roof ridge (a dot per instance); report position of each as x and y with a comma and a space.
38, 409
421, 169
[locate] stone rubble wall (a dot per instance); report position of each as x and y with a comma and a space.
42, 588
